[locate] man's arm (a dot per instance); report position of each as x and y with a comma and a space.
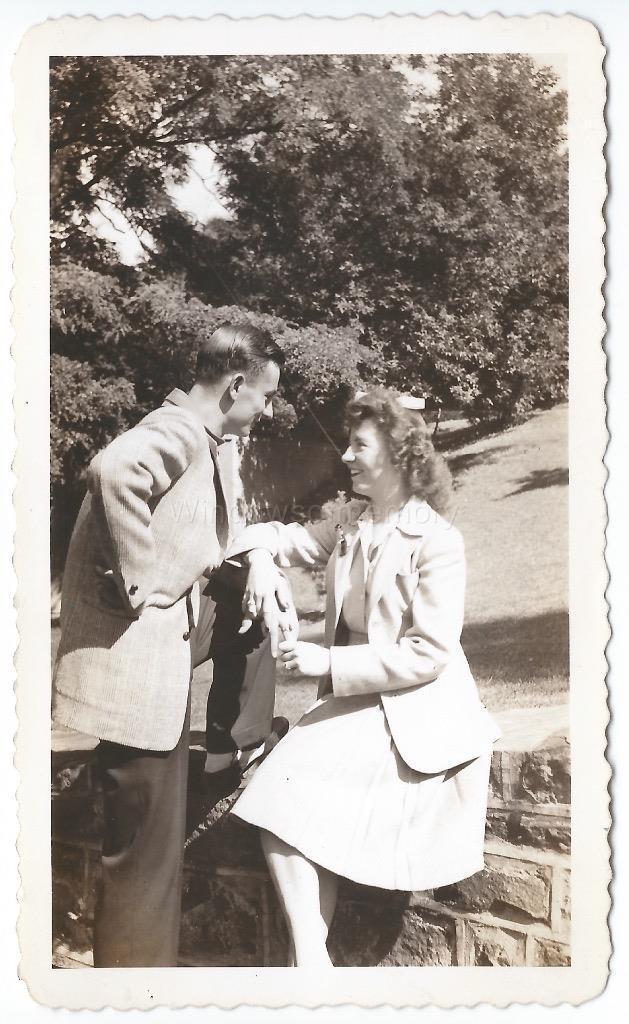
134, 470
261, 545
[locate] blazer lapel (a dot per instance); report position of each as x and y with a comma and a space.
224, 495
224, 490
342, 566
397, 551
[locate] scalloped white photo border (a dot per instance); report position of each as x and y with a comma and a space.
579, 41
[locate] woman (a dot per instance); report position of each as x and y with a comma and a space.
384, 780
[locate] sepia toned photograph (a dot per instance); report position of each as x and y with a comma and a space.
311, 460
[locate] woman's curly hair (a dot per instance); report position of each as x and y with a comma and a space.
424, 471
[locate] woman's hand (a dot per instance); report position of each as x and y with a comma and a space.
309, 659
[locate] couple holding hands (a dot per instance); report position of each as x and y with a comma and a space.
385, 779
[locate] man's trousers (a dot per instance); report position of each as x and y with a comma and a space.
242, 696
138, 910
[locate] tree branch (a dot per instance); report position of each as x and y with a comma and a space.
85, 187
130, 221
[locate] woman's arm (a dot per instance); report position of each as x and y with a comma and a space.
431, 640
295, 544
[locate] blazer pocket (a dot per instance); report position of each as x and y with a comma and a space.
107, 610
406, 584
106, 598
407, 581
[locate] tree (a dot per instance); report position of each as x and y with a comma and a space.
420, 201
393, 219
444, 236
128, 136
497, 137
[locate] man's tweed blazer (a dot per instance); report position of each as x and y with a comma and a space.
145, 534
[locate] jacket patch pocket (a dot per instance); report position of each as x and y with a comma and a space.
108, 611
405, 586
407, 579
106, 597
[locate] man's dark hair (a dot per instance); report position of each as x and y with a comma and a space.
236, 348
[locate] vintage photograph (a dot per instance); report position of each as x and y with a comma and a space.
310, 473
349, 274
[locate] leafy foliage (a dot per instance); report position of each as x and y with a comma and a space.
85, 414
436, 221
137, 344
393, 219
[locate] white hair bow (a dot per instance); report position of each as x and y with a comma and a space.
406, 401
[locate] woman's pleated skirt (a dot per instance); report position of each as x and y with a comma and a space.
336, 789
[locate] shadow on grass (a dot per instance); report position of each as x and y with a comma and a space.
519, 649
540, 478
457, 437
459, 464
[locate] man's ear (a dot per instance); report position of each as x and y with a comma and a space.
235, 385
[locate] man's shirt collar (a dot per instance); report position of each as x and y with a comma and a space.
179, 397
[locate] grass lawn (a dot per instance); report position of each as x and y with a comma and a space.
512, 508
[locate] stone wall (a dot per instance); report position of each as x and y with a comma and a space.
514, 913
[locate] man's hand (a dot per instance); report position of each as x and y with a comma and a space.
268, 597
309, 659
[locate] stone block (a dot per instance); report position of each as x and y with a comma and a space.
500, 824
222, 922
543, 832
425, 940
73, 769
525, 729
77, 809
72, 908
69, 774
493, 946
277, 952
227, 842
548, 953
495, 777
354, 892
78, 816
368, 934
541, 777
63, 956
364, 934
508, 888
561, 900
524, 828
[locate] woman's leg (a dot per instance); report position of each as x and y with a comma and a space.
328, 892
296, 881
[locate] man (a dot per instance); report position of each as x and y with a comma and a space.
154, 523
